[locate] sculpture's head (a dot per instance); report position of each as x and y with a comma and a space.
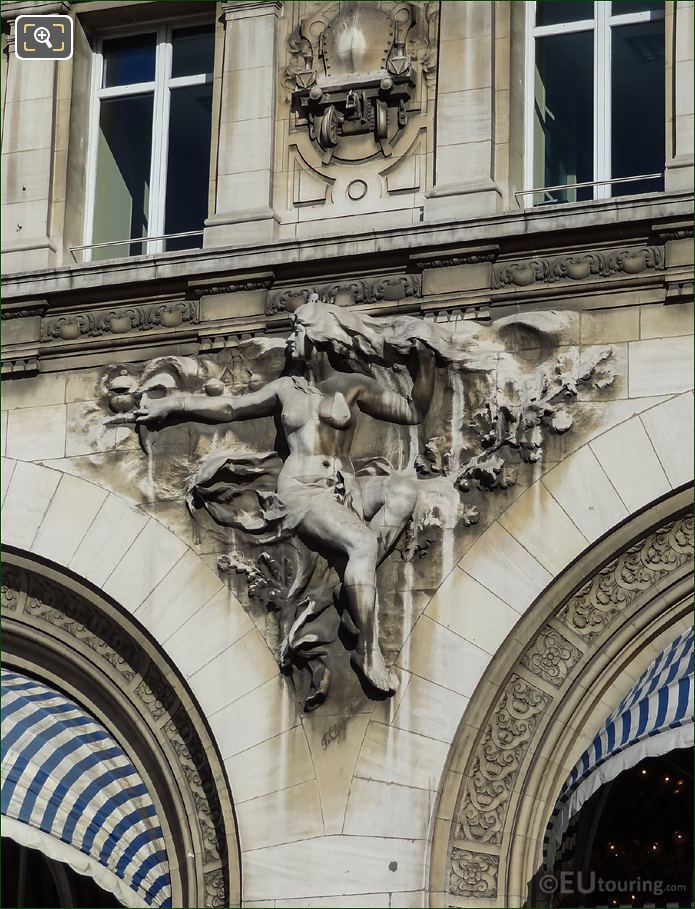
299, 346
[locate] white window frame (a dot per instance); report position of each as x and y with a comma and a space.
602, 25
161, 88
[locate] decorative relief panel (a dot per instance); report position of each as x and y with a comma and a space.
489, 783
473, 873
359, 89
383, 438
578, 266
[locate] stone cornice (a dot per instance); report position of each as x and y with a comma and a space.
635, 214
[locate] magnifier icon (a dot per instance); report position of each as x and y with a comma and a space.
43, 36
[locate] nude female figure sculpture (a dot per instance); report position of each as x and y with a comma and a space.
355, 522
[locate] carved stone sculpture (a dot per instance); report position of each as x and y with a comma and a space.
352, 74
312, 519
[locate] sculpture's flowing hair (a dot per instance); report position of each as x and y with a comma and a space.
362, 341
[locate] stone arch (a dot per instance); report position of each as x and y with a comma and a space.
641, 451
62, 630
559, 673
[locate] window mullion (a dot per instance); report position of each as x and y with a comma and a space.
530, 64
160, 122
93, 147
602, 96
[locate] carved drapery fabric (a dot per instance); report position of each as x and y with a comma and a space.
654, 717
65, 775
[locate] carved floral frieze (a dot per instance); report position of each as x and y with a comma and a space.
551, 656
71, 326
578, 266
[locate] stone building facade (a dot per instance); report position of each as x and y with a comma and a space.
342, 616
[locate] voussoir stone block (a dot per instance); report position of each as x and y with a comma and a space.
30, 492
630, 462
112, 532
670, 430
499, 562
73, 508
149, 559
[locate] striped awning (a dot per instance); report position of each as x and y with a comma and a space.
65, 775
655, 717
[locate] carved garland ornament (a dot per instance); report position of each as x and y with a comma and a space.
494, 764
71, 326
578, 266
35, 600
353, 292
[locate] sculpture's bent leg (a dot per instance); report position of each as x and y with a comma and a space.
332, 527
388, 504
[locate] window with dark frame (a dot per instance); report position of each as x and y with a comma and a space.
596, 100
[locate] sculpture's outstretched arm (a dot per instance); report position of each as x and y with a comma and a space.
385, 404
179, 408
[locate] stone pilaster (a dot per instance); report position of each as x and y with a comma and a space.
30, 118
243, 203
464, 181
679, 95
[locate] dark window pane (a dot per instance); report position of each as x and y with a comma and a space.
188, 175
550, 12
637, 86
128, 60
563, 115
121, 199
193, 51
620, 7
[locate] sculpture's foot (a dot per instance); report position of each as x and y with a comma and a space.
320, 683
371, 666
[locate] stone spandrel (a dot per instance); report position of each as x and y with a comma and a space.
332, 477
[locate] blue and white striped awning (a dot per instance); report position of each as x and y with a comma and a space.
65, 776
655, 717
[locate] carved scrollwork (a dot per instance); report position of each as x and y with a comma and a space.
489, 785
473, 873
215, 889
578, 266
594, 607
551, 656
71, 326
